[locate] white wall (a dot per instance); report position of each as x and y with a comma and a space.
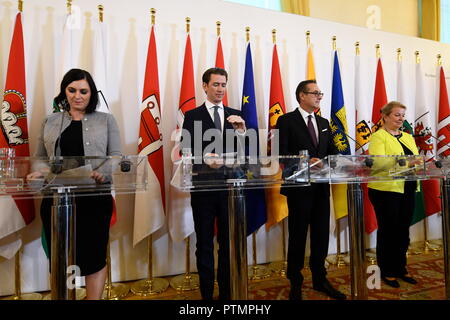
128, 25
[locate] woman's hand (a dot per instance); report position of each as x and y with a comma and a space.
98, 177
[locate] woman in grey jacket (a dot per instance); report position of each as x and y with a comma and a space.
79, 130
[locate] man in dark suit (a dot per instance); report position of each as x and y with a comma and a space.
224, 124
302, 129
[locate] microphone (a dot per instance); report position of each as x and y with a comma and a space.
437, 163
401, 162
125, 165
333, 163
104, 100
367, 161
57, 166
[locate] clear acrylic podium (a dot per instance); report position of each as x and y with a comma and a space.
354, 171
235, 174
440, 169
63, 178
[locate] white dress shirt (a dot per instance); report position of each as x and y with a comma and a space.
210, 108
313, 120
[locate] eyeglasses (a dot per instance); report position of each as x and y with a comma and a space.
316, 93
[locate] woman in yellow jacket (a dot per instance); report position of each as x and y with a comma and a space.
393, 201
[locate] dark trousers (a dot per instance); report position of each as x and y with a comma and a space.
394, 213
308, 206
206, 206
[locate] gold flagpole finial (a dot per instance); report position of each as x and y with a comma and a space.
188, 24
69, 6
274, 36
218, 23
20, 5
100, 13
308, 39
357, 48
417, 54
377, 48
152, 13
247, 33
333, 39
399, 54
439, 57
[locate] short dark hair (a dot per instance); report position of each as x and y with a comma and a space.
207, 75
302, 87
75, 75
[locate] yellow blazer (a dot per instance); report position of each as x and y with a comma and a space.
383, 143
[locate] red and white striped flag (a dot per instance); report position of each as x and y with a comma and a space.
443, 148
221, 64
181, 221
277, 208
99, 73
379, 100
424, 132
15, 214
149, 206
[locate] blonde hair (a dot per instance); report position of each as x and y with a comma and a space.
387, 109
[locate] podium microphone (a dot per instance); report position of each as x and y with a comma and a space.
125, 165
437, 163
367, 161
56, 167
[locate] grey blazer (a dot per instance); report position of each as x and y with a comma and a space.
101, 136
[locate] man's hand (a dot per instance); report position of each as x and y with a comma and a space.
211, 162
237, 122
316, 162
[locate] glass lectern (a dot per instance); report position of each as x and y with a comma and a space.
354, 171
235, 174
63, 178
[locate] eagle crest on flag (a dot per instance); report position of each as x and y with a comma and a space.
11, 119
423, 139
274, 113
363, 133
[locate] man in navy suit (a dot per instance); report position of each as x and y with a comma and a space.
302, 129
224, 124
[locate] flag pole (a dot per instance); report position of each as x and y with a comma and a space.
69, 7
283, 269
255, 272
150, 285
371, 254
188, 281
119, 290
427, 245
17, 266
218, 23
280, 267
339, 257
17, 282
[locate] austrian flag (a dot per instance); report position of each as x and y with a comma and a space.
15, 214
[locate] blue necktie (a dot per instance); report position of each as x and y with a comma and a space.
217, 122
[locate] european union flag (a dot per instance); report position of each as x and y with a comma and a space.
255, 198
338, 123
